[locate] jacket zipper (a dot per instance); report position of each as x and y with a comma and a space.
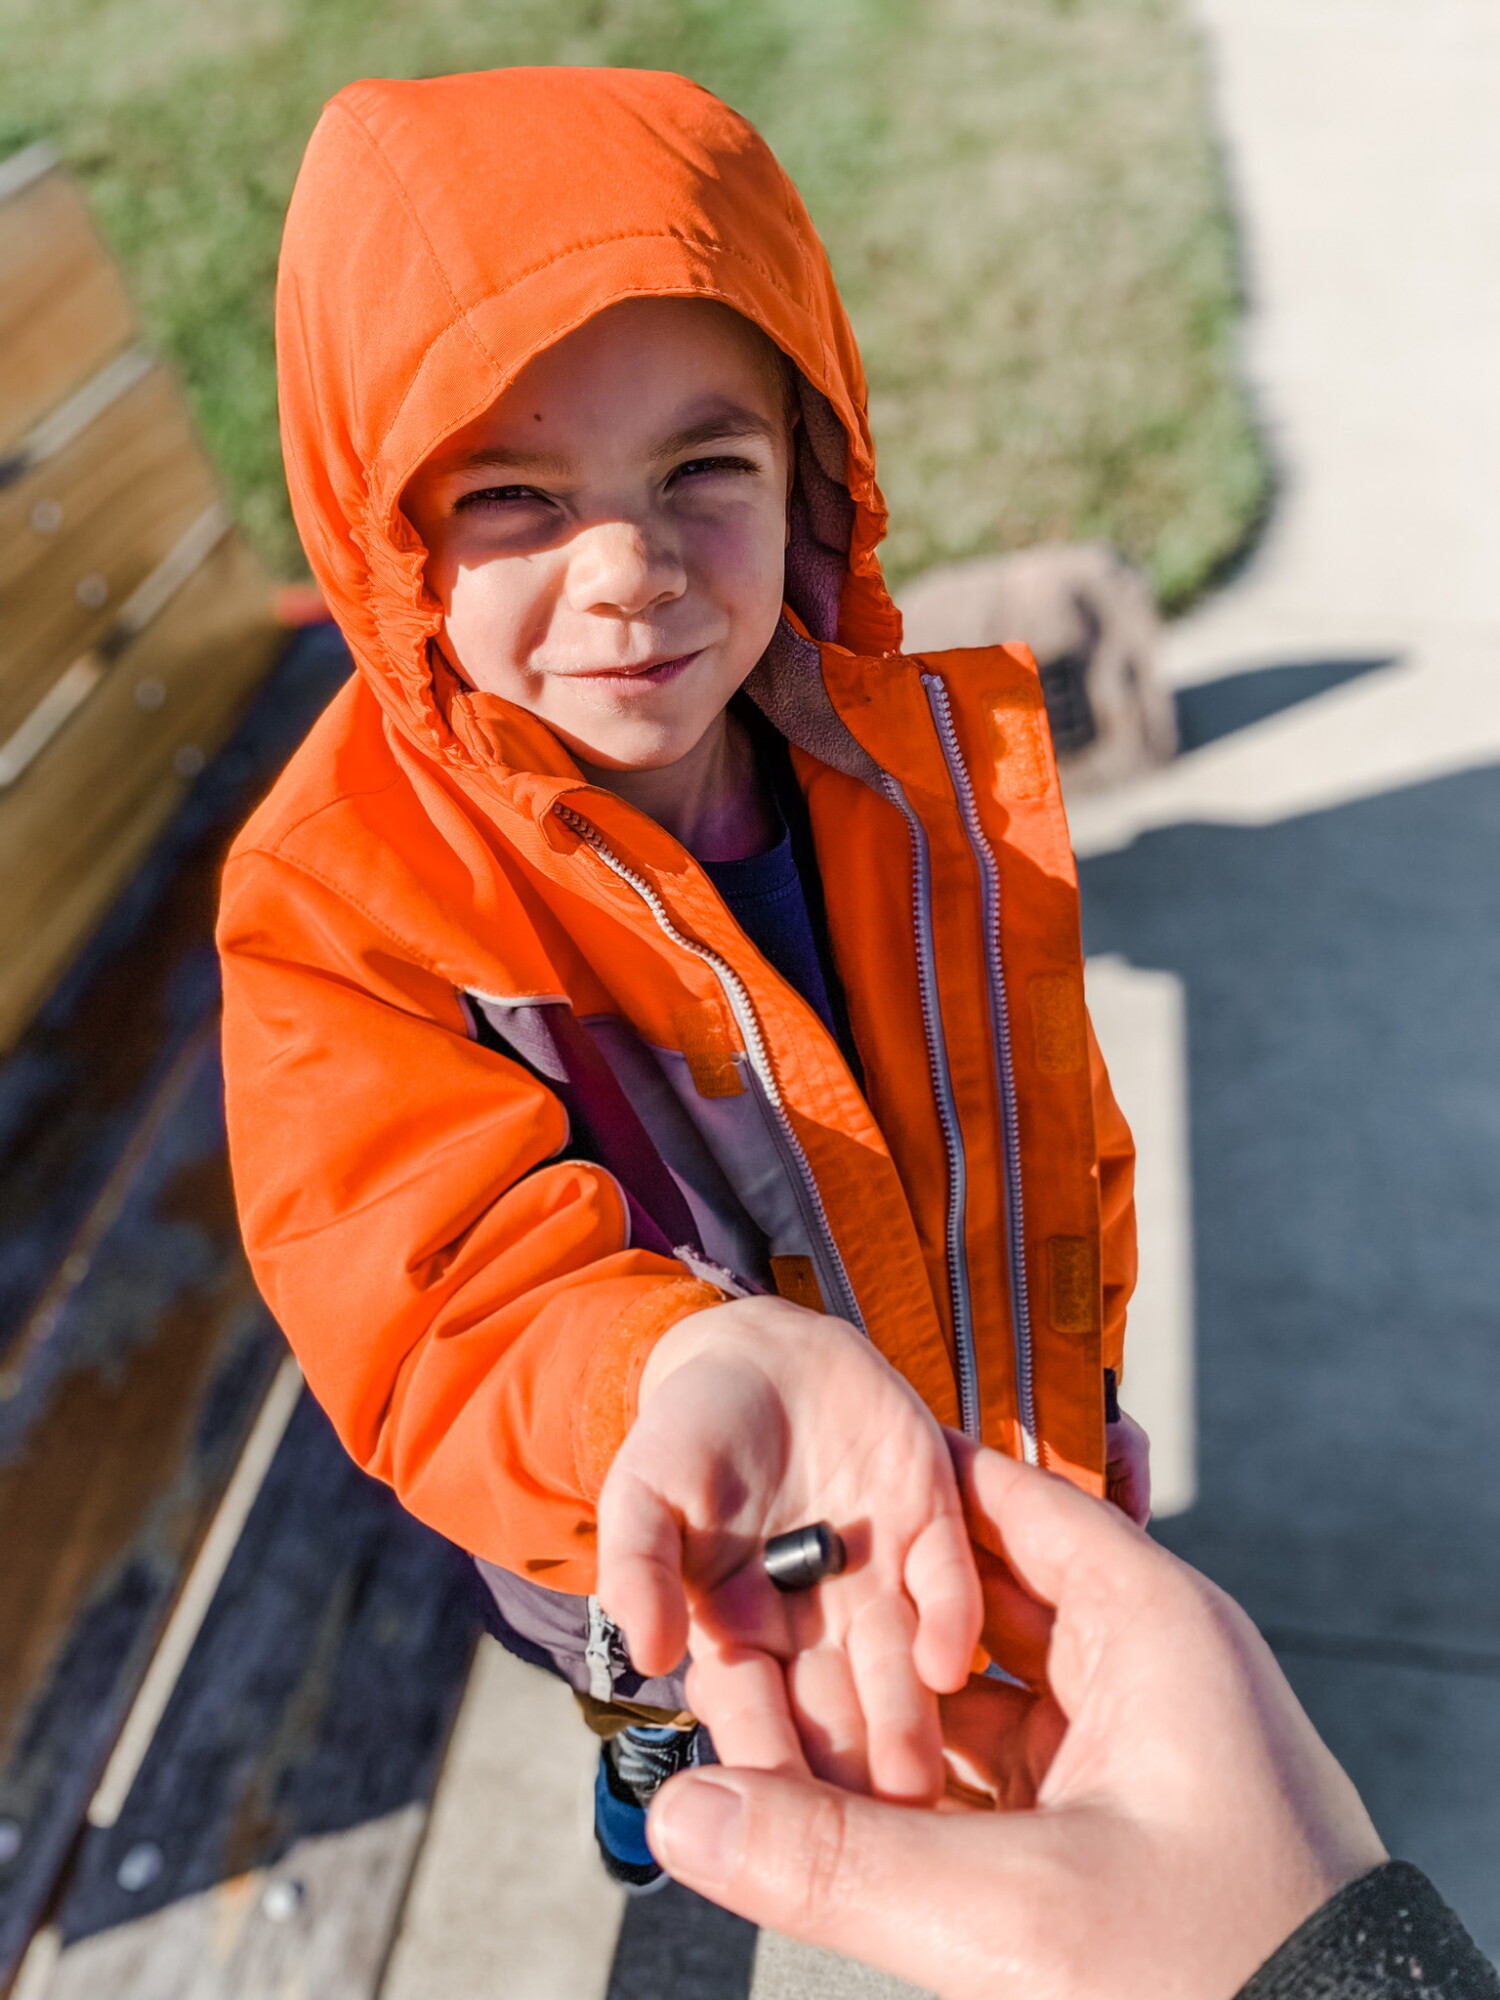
1000, 1034
947, 1110
748, 1022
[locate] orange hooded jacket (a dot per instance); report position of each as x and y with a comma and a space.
493, 1044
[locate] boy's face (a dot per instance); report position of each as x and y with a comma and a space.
608, 540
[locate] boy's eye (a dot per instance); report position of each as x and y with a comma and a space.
695, 466
487, 497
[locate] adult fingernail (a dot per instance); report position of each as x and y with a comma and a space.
697, 1829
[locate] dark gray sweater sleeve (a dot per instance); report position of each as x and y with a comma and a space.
1388, 1936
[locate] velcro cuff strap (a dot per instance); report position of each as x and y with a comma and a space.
609, 1390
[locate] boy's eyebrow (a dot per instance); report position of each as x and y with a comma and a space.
730, 422
501, 459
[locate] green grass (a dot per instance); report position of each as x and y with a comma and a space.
1021, 199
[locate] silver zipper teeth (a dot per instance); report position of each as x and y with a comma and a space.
1010, 1124
743, 1009
947, 1110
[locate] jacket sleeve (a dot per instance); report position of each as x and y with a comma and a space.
463, 1300
1387, 1936
1117, 1252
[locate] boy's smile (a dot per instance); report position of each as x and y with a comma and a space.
608, 539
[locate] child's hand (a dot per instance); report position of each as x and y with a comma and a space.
756, 1417
1127, 1468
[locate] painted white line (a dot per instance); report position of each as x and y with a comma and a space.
22, 168
509, 1896
197, 1594
38, 1966
71, 419
1140, 1018
786, 1970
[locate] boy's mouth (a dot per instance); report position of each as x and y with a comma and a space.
651, 672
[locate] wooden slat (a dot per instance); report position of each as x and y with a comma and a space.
78, 822
302, 1746
77, 1090
119, 1434
82, 530
63, 308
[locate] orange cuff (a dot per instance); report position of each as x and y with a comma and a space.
609, 1390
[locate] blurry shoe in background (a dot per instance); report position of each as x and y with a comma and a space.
633, 1767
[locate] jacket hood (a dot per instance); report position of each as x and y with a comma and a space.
441, 234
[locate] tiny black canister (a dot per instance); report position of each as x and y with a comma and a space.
804, 1556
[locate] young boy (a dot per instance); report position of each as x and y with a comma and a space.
659, 1084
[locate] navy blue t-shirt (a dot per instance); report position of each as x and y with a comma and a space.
766, 898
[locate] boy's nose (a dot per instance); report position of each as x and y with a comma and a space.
620, 570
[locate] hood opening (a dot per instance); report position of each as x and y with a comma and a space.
444, 232
822, 514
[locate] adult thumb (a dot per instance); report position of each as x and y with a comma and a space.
895, 1886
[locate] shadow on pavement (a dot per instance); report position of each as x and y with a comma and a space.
1211, 709
1342, 973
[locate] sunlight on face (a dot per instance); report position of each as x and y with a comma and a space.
608, 540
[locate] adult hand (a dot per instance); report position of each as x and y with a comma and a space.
1167, 1815
755, 1417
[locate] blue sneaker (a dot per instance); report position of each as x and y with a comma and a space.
633, 1767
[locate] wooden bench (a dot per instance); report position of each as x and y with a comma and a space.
228, 1661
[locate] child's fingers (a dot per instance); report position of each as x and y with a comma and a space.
739, 1694
640, 1571
905, 1747
829, 1718
943, 1584
1128, 1470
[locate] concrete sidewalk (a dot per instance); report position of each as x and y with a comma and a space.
1363, 150
1319, 879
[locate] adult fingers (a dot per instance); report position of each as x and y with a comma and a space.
1050, 1534
903, 1890
943, 1584
905, 1745
739, 1694
640, 1570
